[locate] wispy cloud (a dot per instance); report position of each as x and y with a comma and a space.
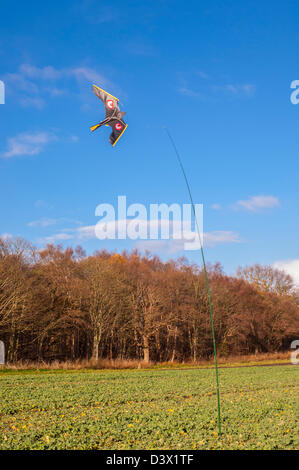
40, 204
246, 89
46, 222
205, 87
45, 73
76, 234
18, 82
97, 13
202, 74
217, 237
257, 203
188, 92
55, 238
174, 244
291, 267
37, 102
216, 206
86, 73
28, 144
168, 247
140, 48
50, 73
6, 236
33, 86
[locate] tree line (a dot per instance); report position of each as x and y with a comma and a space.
60, 304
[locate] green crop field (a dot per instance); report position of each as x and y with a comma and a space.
149, 409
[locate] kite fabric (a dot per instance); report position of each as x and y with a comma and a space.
113, 115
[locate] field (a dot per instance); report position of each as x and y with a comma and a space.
149, 409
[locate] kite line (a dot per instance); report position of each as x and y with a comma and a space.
205, 271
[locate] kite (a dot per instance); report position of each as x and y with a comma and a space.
113, 116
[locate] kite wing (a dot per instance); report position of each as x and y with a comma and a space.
118, 128
113, 115
110, 102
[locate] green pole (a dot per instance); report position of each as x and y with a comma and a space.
206, 276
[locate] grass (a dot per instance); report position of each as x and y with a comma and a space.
117, 364
149, 409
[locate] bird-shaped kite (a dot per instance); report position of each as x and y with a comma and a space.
113, 116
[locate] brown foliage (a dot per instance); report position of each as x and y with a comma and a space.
60, 305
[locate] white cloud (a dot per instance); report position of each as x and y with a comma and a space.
36, 102
19, 83
32, 86
6, 236
169, 247
86, 73
27, 144
202, 74
49, 73
208, 91
43, 204
291, 267
85, 233
256, 203
45, 73
216, 207
210, 239
188, 92
78, 233
46, 222
56, 91
26, 91
56, 238
246, 89
174, 244
220, 236
99, 13
139, 48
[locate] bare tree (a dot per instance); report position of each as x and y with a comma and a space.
267, 279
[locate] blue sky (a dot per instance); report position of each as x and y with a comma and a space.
217, 73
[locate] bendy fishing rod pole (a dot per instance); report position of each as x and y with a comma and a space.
205, 271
